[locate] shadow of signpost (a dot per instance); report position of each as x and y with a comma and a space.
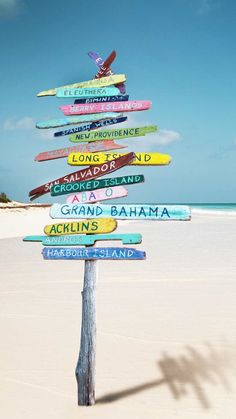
187, 372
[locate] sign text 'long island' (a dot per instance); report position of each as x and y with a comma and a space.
141, 159
91, 172
122, 212
102, 253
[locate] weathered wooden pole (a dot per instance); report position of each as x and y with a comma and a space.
85, 369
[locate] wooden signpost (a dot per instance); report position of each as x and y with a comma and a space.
101, 82
86, 92
70, 120
84, 174
92, 108
97, 99
100, 63
97, 107
122, 212
91, 126
106, 225
84, 240
116, 134
141, 159
102, 253
91, 147
97, 195
91, 185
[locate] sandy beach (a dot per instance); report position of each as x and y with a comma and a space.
166, 342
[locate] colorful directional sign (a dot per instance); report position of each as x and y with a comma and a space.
122, 212
84, 240
102, 253
101, 82
90, 147
104, 68
100, 63
106, 225
92, 108
86, 92
84, 174
70, 120
68, 188
117, 98
97, 195
91, 126
115, 133
141, 159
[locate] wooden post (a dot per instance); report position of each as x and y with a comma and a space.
85, 369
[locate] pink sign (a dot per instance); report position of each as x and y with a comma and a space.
89, 108
97, 195
92, 147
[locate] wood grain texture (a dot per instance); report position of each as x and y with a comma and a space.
68, 188
91, 108
84, 240
97, 226
141, 159
70, 120
117, 98
101, 82
90, 147
115, 133
91, 126
85, 174
90, 253
87, 92
97, 195
85, 368
121, 212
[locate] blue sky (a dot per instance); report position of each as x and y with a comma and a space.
179, 54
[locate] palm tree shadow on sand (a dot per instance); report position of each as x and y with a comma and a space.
189, 371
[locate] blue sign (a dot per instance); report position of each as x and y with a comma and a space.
92, 253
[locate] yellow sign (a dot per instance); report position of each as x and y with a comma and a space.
103, 81
141, 159
94, 226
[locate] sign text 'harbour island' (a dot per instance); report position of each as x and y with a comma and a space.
91, 126
91, 108
80, 148
121, 212
141, 159
116, 134
101, 82
91, 185
106, 225
91, 172
103, 253
84, 239
77, 119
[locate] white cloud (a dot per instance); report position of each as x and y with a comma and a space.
165, 137
13, 124
27, 124
10, 8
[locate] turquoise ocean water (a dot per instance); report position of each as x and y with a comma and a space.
224, 209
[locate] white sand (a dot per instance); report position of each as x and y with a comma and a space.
166, 340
